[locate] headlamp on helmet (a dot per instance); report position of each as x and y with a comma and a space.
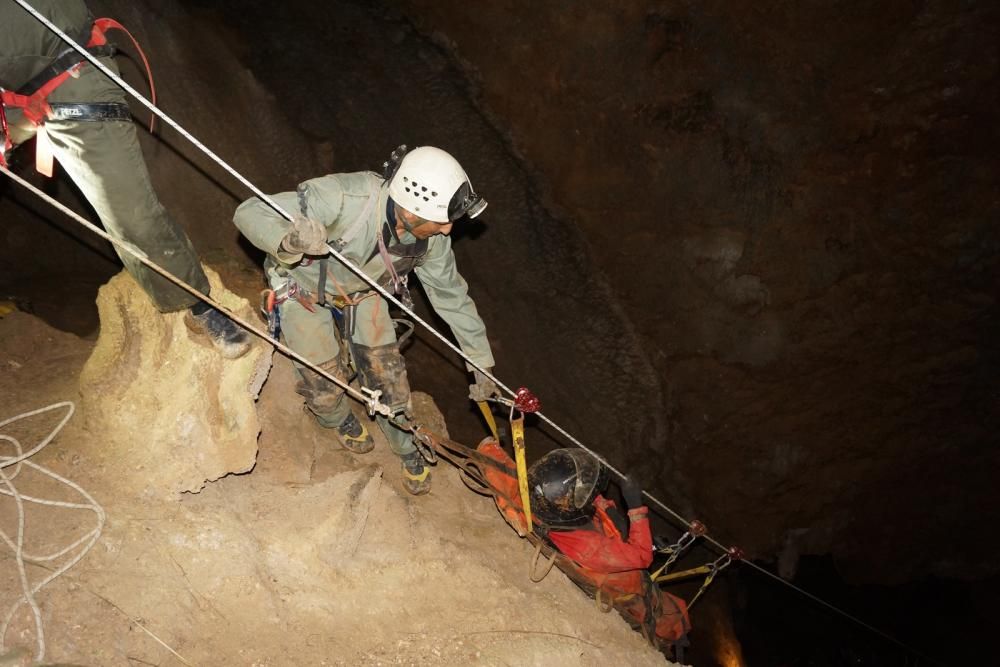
430, 183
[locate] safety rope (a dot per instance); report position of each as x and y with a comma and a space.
392, 299
369, 397
287, 216
83, 543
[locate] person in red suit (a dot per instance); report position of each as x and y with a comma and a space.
598, 549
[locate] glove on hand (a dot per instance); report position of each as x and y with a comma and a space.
484, 387
631, 493
306, 236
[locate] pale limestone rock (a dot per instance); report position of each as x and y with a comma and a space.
164, 408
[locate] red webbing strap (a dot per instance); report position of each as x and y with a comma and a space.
98, 38
7, 145
36, 106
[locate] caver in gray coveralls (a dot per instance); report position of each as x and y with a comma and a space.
354, 209
101, 156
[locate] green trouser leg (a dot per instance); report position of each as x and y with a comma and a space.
105, 162
373, 329
314, 335
400, 441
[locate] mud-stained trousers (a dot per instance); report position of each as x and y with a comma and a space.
316, 336
104, 160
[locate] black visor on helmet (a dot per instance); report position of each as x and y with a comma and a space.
465, 202
563, 485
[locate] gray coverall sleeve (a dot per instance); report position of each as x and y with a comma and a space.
449, 295
265, 228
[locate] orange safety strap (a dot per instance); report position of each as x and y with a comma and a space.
98, 38
6, 144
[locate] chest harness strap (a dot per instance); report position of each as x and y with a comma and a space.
399, 287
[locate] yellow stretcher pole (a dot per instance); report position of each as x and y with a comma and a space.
517, 429
702, 569
488, 416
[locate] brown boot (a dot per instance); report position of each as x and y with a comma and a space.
416, 474
354, 436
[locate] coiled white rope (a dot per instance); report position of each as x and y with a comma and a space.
78, 548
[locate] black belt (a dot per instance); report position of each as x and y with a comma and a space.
101, 111
63, 62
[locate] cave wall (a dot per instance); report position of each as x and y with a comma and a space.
796, 205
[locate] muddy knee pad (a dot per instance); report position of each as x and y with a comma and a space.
383, 368
323, 396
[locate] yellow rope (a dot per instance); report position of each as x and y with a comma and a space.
488, 416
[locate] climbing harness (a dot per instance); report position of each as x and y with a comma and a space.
32, 97
398, 282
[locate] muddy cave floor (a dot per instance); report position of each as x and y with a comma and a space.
316, 557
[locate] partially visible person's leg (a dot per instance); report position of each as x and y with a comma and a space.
376, 353
314, 335
105, 161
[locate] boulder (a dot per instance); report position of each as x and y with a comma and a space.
164, 408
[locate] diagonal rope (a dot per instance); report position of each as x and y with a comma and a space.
367, 396
333, 251
287, 216
373, 401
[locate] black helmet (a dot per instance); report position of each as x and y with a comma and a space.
563, 485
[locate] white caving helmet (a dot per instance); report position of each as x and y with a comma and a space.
429, 182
